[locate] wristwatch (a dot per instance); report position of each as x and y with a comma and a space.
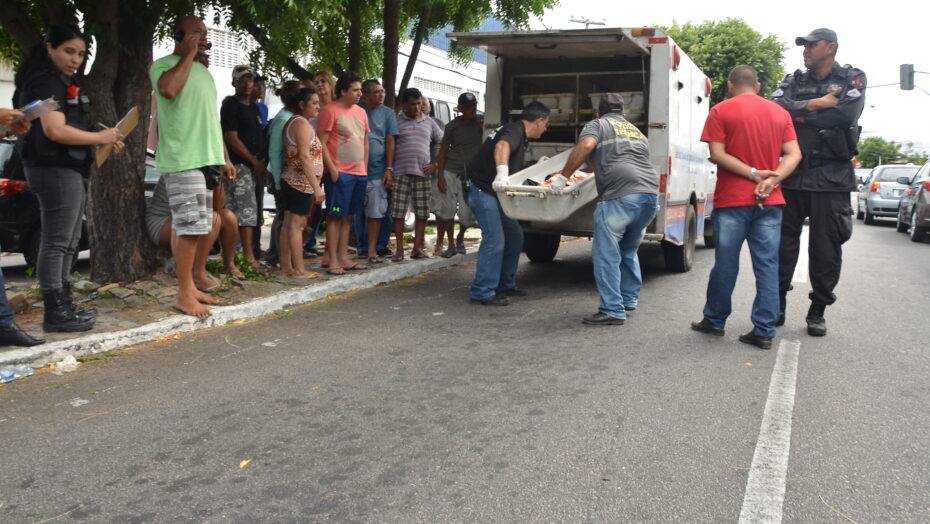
753, 174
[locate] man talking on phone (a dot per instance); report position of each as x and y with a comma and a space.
190, 152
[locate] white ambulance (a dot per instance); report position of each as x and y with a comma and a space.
666, 96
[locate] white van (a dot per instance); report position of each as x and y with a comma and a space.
667, 98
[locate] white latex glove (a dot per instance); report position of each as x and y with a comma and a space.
502, 178
558, 184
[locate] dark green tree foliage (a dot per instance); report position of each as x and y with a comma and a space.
875, 150
122, 32
719, 46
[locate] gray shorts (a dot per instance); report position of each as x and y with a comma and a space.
376, 199
190, 203
445, 205
240, 196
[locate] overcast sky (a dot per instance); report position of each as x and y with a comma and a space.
875, 39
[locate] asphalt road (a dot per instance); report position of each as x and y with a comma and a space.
406, 403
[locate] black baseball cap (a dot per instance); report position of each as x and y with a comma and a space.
468, 100
816, 35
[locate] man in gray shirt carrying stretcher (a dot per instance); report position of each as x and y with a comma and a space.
628, 189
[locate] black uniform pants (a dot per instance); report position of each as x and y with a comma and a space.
830, 227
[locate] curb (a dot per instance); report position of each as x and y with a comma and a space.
39, 356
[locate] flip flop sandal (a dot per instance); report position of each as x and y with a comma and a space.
460, 248
337, 271
449, 253
418, 255
356, 267
375, 260
397, 258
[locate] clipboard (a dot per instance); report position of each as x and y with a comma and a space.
126, 124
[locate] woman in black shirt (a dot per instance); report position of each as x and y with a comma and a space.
56, 154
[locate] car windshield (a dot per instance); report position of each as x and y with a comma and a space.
891, 174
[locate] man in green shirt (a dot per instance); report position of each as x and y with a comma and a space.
190, 150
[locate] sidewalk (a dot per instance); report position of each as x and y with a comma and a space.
139, 312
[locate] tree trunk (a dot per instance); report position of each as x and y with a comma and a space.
119, 248
422, 24
355, 37
391, 45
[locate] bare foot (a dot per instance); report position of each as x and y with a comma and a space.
256, 265
205, 298
234, 272
190, 306
206, 283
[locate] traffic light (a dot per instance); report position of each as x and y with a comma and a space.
907, 77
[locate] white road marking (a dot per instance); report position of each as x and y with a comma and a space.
801, 269
765, 488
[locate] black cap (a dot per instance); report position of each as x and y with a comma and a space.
816, 35
468, 100
610, 103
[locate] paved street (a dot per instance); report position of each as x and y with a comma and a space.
406, 403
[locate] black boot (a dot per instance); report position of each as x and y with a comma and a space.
59, 317
12, 335
85, 312
782, 306
816, 325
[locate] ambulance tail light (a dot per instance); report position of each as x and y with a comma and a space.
926, 184
708, 87
644, 31
676, 57
875, 186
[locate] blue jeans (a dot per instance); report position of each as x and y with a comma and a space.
6, 314
501, 244
619, 226
762, 229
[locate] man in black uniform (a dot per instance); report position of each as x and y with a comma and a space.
825, 103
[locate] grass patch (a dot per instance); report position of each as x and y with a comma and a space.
215, 267
284, 313
430, 230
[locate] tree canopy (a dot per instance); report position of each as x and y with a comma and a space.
719, 46
334, 34
875, 150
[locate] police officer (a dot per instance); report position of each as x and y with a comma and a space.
825, 102
57, 153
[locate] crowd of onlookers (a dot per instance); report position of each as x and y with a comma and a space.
334, 154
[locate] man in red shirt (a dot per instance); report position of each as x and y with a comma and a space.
753, 143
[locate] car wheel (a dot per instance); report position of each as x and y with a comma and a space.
869, 218
709, 241
918, 234
900, 225
541, 248
680, 259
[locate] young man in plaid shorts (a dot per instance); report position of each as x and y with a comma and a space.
412, 171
